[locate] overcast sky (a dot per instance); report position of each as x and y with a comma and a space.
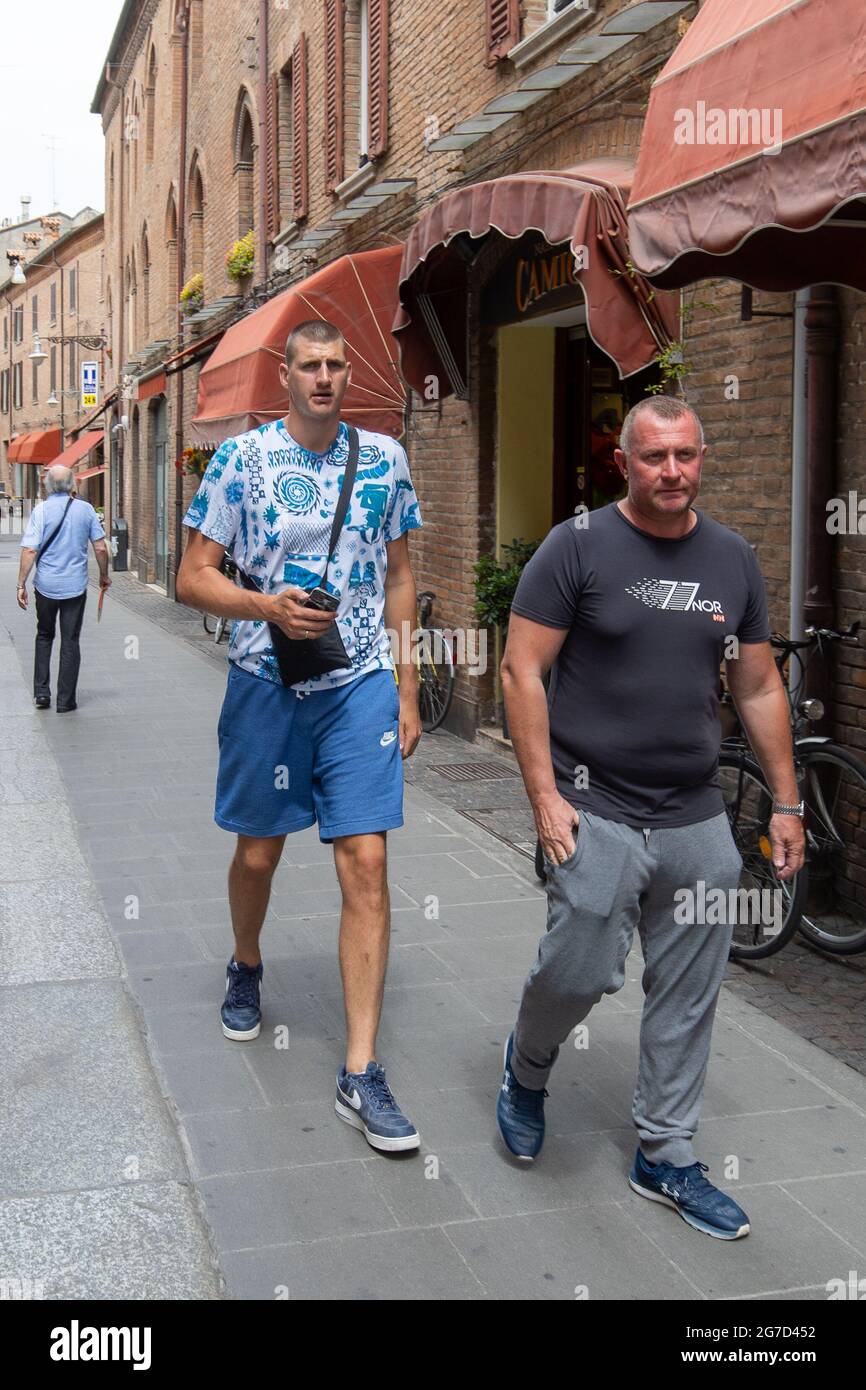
50, 60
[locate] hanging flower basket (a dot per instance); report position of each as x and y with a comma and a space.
241, 257
193, 462
192, 294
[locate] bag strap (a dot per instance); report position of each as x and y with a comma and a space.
55, 533
345, 495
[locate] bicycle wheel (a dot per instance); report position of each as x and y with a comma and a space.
435, 678
834, 790
220, 630
770, 909
210, 623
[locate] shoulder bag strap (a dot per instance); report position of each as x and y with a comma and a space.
55, 533
345, 495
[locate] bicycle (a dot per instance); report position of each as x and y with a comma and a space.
826, 900
218, 627
435, 668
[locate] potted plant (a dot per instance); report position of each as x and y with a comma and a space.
192, 294
495, 584
241, 257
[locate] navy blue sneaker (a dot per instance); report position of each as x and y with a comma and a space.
519, 1112
241, 1011
364, 1100
687, 1190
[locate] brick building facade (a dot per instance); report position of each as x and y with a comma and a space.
61, 298
329, 126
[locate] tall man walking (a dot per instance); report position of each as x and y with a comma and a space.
632, 606
326, 748
55, 540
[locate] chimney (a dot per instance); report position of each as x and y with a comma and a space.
25, 207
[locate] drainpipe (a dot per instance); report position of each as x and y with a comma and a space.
183, 24
821, 352
11, 397
261, 238
798, 476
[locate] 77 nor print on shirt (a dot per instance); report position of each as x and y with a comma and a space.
271, 503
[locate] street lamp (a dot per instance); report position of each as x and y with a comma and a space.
37, 355
17, 273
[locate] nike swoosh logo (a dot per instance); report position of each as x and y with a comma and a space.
387, 738
354, 1099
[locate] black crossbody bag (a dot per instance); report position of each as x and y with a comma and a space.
303, 658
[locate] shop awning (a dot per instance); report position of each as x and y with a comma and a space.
753, 157
89, 473
79, 448
39, 446
15, 448
583, 205
239, 385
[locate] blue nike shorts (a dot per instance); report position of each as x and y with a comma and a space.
289, 761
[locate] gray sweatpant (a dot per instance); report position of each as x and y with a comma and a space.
619, 878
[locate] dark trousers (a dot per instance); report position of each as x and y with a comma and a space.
71, 612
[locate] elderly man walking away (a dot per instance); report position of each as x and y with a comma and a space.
55, 541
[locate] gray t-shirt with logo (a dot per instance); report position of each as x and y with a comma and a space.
633, 697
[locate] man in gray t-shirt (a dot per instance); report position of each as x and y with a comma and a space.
632, 609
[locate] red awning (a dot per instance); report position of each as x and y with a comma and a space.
15, 448
153, 385
583, 205
239, 385
753, 155
39, 446
74, 452
89, 473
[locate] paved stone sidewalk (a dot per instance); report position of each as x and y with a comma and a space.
821, 997
295, 1202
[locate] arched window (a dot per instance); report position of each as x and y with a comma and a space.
195, 233
135, 140
145, 287
150, 107
171, 263
130, 289
111, 207
245, 152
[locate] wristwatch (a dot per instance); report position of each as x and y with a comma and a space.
780, 810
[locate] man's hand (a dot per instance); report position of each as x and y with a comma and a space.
556, 820
105, 582
788, 841
22, 596
409, 718
292, 613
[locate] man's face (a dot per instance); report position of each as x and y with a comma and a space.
317, 379
663, 468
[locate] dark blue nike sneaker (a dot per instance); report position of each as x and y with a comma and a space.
241, 1012
519, 1112
365, 1101
687, 1190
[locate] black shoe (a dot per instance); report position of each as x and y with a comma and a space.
66, 709
42, 701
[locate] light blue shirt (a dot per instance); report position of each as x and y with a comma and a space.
271, 503
63, 572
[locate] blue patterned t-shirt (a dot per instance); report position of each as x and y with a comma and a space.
271, 503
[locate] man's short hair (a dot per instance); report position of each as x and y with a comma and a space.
315, 331
664, 408
59, 478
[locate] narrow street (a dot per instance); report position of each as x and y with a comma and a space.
146, 1157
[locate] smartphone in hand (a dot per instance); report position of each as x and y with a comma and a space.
320, 598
